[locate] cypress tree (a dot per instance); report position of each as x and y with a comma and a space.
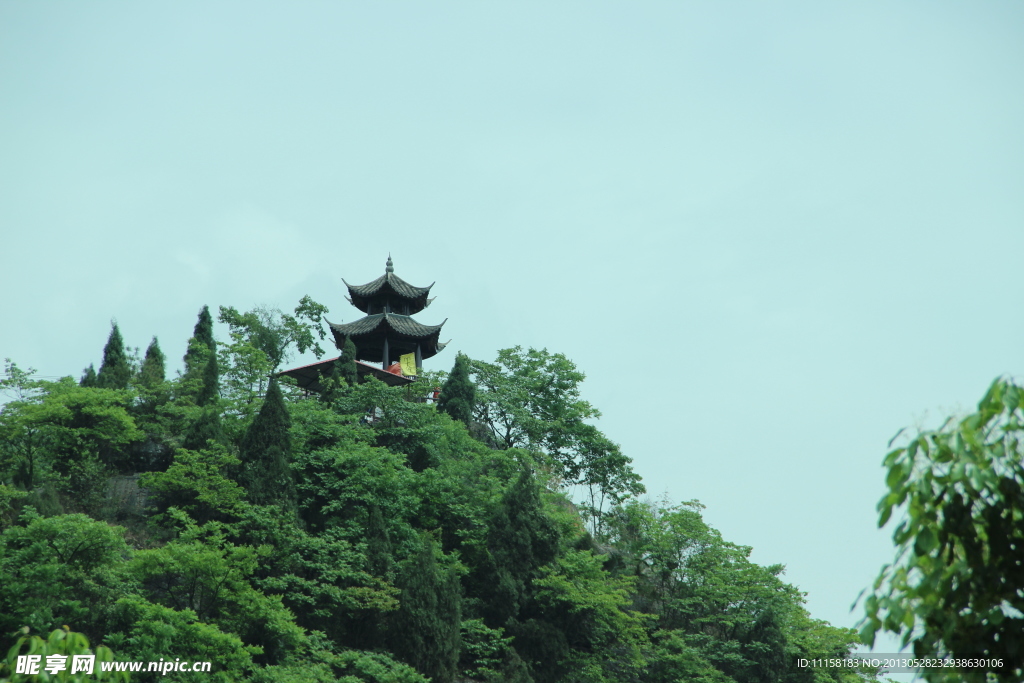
210, 391
115, 371
88, 377
202, 381
195, 358
379, 555
521, 539
458, 395
265, 451
340, 375
152, 371
514, 669
347, 363
155, 452
425, 630
331, 384
369, 631
205, 428
202, 373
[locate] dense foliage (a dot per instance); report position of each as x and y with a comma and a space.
221, 515
955, 588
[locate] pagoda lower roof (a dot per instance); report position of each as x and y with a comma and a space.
308, 376
402, 334
402, 325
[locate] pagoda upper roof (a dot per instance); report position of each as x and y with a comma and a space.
388, 286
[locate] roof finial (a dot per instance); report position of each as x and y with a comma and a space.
390, 266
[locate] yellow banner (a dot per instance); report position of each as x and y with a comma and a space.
408, 363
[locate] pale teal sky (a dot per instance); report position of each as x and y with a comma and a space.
772, 235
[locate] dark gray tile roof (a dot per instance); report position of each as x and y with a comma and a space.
388, 281
402, 324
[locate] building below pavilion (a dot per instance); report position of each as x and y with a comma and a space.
384, 335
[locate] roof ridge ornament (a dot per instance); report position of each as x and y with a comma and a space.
389, 266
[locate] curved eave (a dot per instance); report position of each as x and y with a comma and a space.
404, 335
401, 325
388, 285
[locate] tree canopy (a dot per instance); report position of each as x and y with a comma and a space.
219, 514
956, 586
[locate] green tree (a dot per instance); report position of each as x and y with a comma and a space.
204, 575
956, 586
71, 437
201, 380
201, 384
197, 483
322, 578
274, 332
719, 616
531, 399
151, 411
57, 570
203, 429
88, 377
62, 643
331, 383
261, 340
265, 453
144, 630
424, 632
152, 371
521, 538
590, 610
341, 375
210, 391
339, 485
604, 471
21, 440
347, 363
116, 369
458, 395
196, 355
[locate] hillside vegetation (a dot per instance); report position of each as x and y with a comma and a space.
363, 535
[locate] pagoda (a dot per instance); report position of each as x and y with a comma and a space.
384, 334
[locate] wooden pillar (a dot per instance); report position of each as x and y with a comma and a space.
419, 359
386, 354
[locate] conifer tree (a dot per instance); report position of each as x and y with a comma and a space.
347, 363
514, 669
372, 627
152, 371
202, 380
265, 451
425, 630
88, 377
331, 383
379, 555
521, 539
458, 395
115, 371
210, 391
195, 358
201, 368
341, 374
205, 428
